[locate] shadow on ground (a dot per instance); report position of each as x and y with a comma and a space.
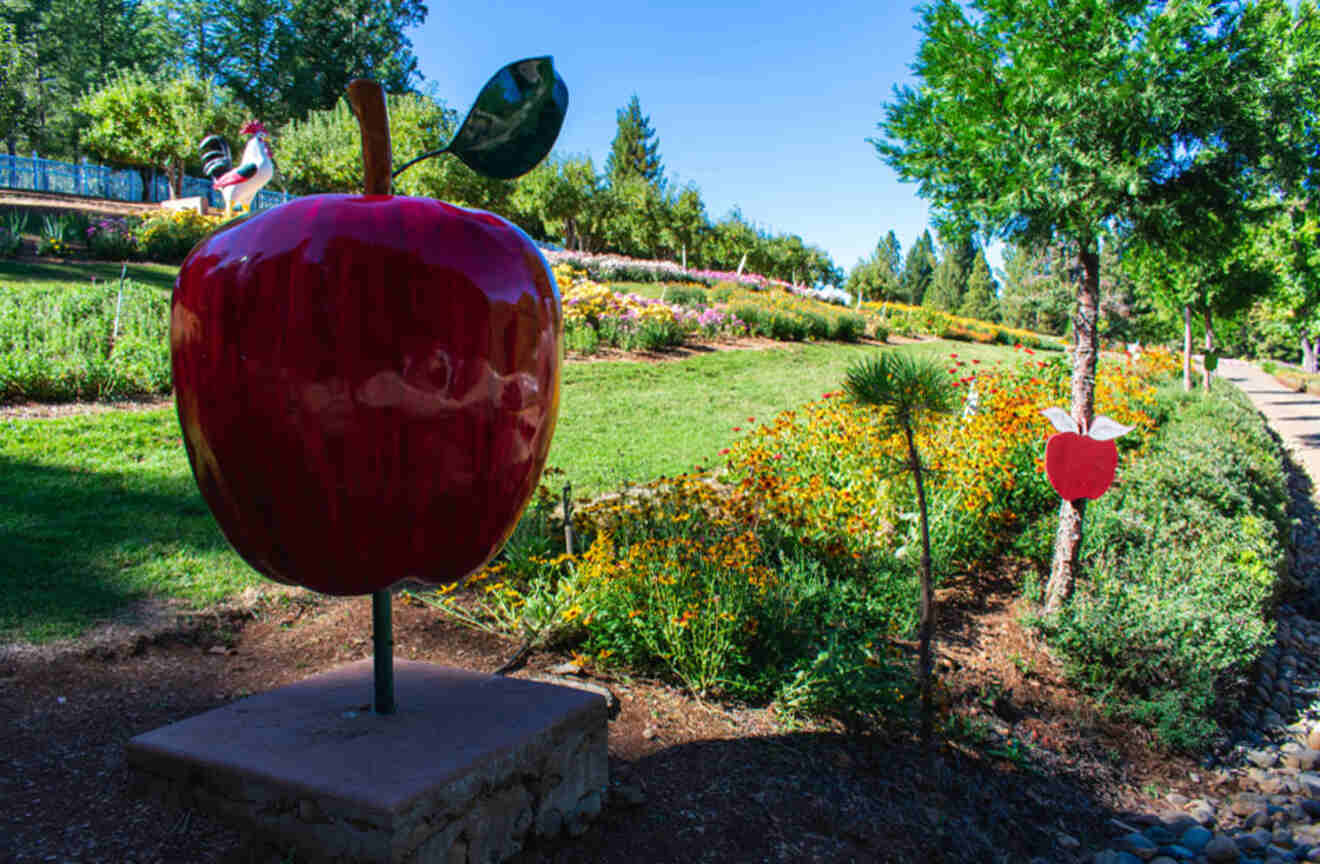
68, 536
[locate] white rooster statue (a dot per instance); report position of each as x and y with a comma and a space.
239, 185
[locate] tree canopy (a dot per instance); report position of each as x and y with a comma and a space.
143, 120
1049, 120
635, 151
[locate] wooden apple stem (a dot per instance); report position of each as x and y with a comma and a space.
368, 101
382, 649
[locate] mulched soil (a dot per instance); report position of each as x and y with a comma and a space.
722, 782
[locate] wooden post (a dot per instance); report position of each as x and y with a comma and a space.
568, 518
1187, 348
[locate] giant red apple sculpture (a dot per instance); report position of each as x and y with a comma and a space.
1081, 466
367, 384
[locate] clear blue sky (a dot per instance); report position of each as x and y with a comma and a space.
765, 106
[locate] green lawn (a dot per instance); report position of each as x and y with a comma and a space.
98, 509
39, 273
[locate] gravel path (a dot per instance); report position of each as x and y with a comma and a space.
1260, 792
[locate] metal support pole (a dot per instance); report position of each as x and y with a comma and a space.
382, 646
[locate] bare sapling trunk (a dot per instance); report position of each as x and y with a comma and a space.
1209, 347
1187, 349
1310, 360
926, 626
1068, 539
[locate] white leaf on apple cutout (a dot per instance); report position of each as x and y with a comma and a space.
1061, 419
1106, 429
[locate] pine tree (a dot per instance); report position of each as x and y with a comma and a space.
949, 282
980, 301
636, 150
918, 269
877, 277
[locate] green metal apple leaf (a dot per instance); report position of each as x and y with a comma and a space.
513, 123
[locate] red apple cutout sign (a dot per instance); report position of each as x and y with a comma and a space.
367, 384
1081, 466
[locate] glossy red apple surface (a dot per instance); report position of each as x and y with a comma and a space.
367, 386
1079, 466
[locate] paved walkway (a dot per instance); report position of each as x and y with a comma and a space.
1295, 416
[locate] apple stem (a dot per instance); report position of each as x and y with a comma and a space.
368, 101
382, 649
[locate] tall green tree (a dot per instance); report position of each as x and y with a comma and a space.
1038, 292
949, 281
15, 81
635, 151
918, 270
323, 153
1058, 119
283, 58
981, 301
193, 27
138, 119
877, 276
78, 46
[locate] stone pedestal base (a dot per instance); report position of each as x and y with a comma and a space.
470, 767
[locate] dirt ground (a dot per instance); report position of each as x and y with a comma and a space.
55, 201
721, 782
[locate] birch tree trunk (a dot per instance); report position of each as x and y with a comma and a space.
1209, 346
1068, 540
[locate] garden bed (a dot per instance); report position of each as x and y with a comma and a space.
1036, 768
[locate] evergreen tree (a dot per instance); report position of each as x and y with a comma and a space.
949, 282
918, 270
636, 150
981, 300
877, 277
889, 256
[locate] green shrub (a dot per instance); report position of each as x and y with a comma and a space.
686, 295
169, 236
1182, 559
817, 325
756, 318
787, 328
847, 327
11, 239
112, 239
880, 332
652, 335
581, 338
849, 679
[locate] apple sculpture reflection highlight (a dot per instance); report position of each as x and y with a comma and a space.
368, 384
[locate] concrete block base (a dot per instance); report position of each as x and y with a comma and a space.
470, 768
197, 203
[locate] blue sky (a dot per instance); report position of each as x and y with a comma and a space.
765, 106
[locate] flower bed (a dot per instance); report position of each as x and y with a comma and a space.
617, 268
914, 320
596, 316
784, 576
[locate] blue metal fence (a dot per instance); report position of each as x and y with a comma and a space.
99, 181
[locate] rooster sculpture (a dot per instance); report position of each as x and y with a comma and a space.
238, 185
